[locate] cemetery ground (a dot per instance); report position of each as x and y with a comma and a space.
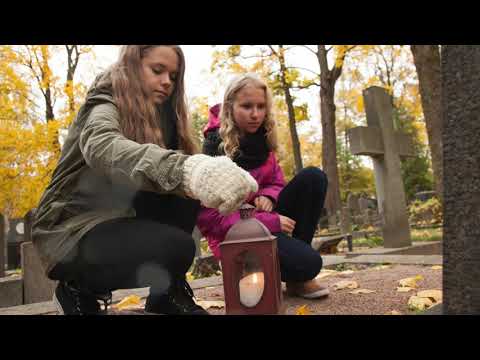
383, 285
355, 289
374, 288
369, 290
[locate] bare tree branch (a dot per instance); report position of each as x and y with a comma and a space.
77, 56
387, 68
311, 50
273, 51
302, 87
302, 68
351, 48
291, 47
29, 64
252, 57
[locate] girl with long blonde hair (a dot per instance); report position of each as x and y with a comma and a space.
242, 128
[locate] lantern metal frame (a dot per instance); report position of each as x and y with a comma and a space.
250, 235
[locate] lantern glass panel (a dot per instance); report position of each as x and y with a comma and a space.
252, 281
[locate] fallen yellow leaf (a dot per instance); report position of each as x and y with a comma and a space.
436, 267
381, 267
393, 312
325, 273
350, 284
435, 295
361, 291
419, 303
189, 276
207, 304
404, 289
347, 272
128, 302
303, 310
411, 281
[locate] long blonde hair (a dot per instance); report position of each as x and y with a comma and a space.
139, 115
229, 131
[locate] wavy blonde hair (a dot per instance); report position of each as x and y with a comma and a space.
229, 131
139, 115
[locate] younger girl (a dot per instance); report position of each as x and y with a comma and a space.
245, 132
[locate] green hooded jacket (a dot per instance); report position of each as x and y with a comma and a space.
98, 174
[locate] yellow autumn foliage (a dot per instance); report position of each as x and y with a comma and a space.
29, 144
28, 157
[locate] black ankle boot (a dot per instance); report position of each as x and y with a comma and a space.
71, 300
177, 301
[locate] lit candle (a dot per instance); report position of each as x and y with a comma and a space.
251, 289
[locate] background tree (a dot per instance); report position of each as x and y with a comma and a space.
31, 118
427, 63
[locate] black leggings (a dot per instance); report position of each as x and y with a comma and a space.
301, 200
151, 250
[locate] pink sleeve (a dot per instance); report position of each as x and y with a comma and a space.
273, 188
211, 223
270, 220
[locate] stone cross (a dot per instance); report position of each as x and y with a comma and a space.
345, 223
363, 204
332, 222
385, 146
352, 204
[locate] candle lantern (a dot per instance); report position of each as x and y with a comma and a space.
251, 268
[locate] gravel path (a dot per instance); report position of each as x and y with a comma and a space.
383, 301
382, 279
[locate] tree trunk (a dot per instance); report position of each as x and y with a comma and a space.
73, 56
461, 120
292, 123
69, 84
329, 149
50, 116
328, 79
293, 131
48, 106
427, 62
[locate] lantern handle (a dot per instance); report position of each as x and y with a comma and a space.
247, 211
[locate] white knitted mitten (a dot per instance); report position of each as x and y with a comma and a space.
217, 182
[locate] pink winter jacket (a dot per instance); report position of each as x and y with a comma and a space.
270, 179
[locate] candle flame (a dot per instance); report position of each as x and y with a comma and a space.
251, 289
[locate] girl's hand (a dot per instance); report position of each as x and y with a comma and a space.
287, 225
217, 182
263, 203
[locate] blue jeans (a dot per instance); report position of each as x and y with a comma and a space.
301, 200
